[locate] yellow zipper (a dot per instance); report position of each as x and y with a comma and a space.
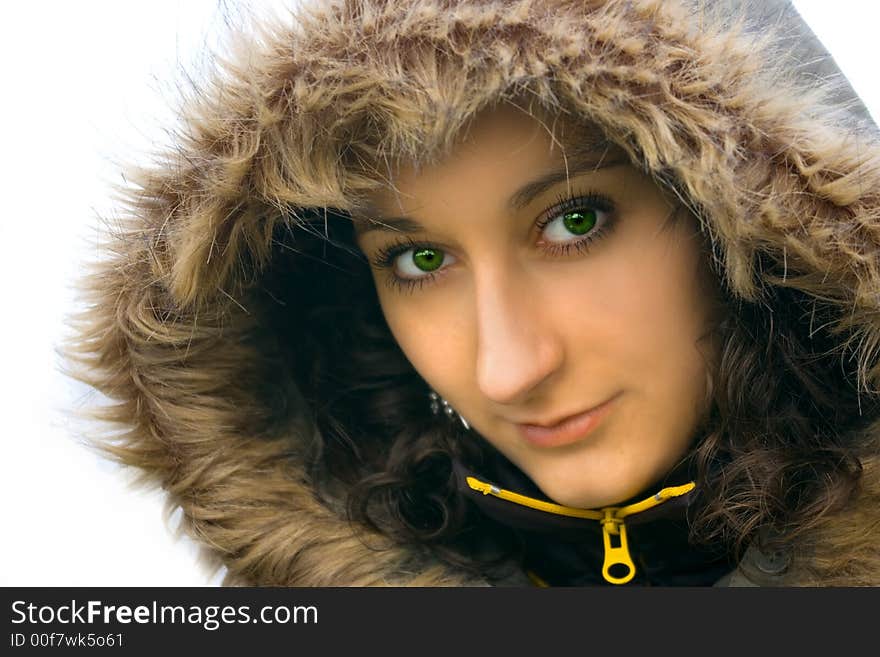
610, 517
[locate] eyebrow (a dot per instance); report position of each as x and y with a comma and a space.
578, 163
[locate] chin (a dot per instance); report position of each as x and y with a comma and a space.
588, 499
582, 487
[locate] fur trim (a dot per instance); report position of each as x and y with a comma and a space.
785, 178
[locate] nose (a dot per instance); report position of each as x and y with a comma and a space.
518, 349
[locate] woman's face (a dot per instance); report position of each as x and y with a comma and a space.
559, 314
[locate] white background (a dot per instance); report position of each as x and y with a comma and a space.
85, 84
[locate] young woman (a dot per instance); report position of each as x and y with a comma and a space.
554, 293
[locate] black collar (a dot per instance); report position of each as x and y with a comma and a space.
641, 541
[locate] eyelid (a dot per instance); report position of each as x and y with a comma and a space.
569, 201
385, 255
405, 261
385, 259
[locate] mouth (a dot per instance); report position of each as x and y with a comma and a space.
568, 430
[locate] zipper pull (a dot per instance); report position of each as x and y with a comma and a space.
616, 556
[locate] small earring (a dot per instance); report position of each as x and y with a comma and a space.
438, 403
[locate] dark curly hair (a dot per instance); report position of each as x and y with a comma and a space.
779, 448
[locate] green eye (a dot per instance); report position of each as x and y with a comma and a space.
420, 262
579, 222
427, 259
583, 219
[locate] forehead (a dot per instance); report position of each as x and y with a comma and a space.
498, 141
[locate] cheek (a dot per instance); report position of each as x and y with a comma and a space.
655, 290
428, 335
637, 318
666, 312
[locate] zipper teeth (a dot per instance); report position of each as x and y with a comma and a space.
588, 514
510, 496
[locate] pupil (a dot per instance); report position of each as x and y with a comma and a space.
428, 259
579, 222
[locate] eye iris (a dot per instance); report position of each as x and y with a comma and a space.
579, 222
427, 259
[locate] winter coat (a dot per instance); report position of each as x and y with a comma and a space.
734, 106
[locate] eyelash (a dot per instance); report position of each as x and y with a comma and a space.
386, 256
566, 202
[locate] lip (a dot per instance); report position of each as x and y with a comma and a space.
568, 430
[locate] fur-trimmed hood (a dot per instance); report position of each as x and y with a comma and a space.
740, 110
